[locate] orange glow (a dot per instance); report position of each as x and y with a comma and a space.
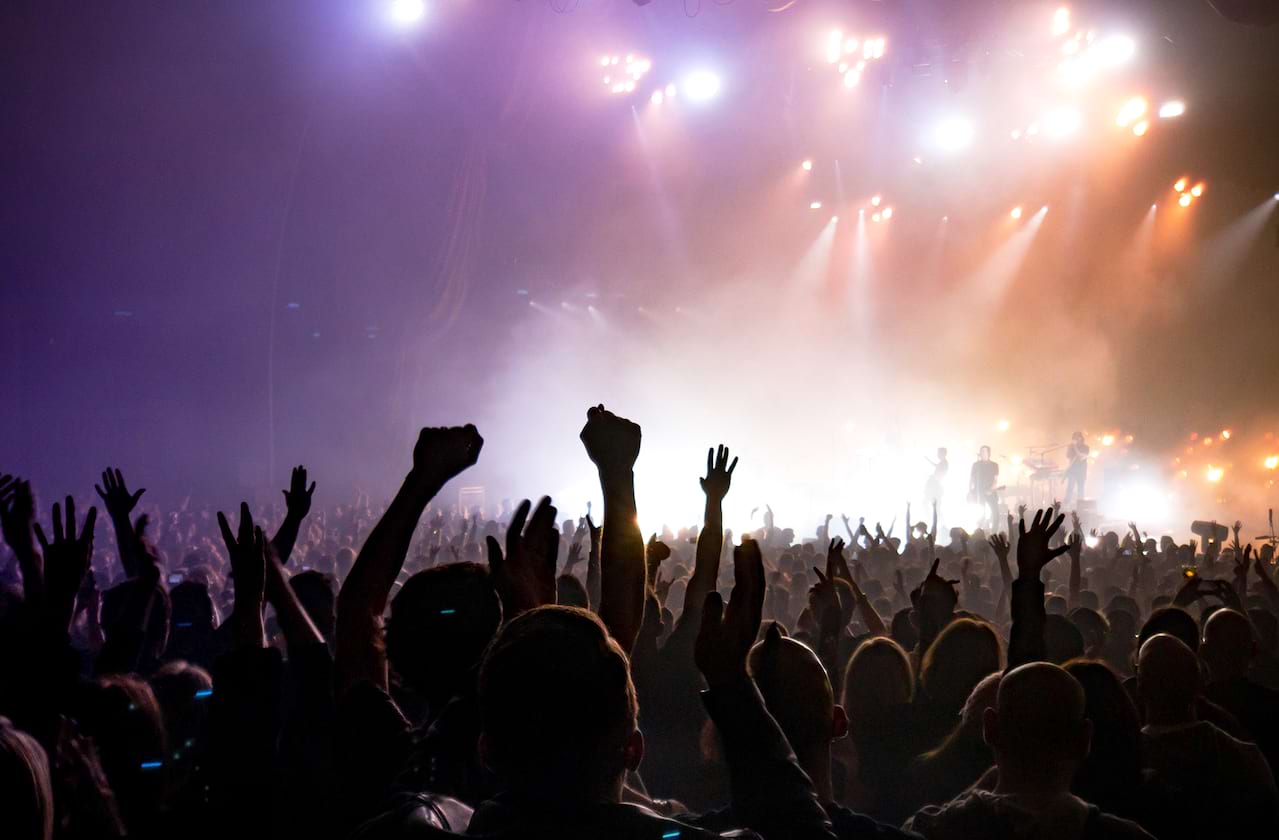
1184, 201
1015, 213
1141, 128
1197, 190
1180, 186
1225, 434
874, 201
1271, 462
1107, 440
888, 213
1214, 474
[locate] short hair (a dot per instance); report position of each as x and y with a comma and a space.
1168, 673
1041, 709
556, 701
1173, 621
795, 688
441, 621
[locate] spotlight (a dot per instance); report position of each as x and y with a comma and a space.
850, 46
816, 205
1117, 49
1032, 129
1016, 134
1225, 434
876, 217
852, 78
1003, 425
1180, 186
1016, 212
1062, 122
701, 86
604, 61
1061, 21
874, 200
1276, 196
953, 134
1172, 108
1184, 201
1131, 111
407, 12
657, 97
1214, 474
1271, 462
1107, 440
1141, 128
671, 90
807, 166
1197, 190
887, 213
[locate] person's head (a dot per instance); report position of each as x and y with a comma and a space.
1094, 628
1037, 728
124, 603
570, 592
984, 453
1077, 437
185, 693
26, 808
120, 713
1062, 639
317, 592
441, 621
1115, 762
797, 692
194, 614
1174, 622
1229, 644
964, 652
558, 708
903, 629
878, 682
1168, 679
941, 453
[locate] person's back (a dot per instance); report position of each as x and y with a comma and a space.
1040, 737
1228, 649
1195, 758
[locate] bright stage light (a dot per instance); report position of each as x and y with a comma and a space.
953, 134
1271, 462
1107, 440
852, 78
1131, 111
1061, 21
1197, 190
1016, 134
407, 12
1184, 201
887, 213
671, 90
1003, 425
1062, 122
1141, 128
604, 61
1276, 196
816, 205
1015, 212
701, 86
1141, 501
1214, 474
850, 46
657, 98
1117, 49
876, 217
1180, 186
807, 166
874, 200
1172, 108
1225, 434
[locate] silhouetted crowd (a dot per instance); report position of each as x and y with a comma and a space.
409, 669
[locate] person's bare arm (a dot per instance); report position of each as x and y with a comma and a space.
710, 540
613, 444
297, 504
440, 454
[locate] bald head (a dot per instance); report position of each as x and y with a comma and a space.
1228, 644
1167, 678
795, 688
1037, 728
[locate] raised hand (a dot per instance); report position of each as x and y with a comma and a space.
116, 497
611, 442
1075, 545
574, 556
1033, 552
297, 499
525, 576
938, 590
17, 512
999, 544
247, 553
66, 561
836, 565
654, 553
719, 473
443, 452
823, 600
727, 634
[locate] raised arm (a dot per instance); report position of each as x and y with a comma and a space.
440, 454
770, 793
120, 503
613, 444
17, 513
1075, 546
297, 504
710, 541
1026, 638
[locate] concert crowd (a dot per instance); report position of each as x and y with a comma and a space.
393, 666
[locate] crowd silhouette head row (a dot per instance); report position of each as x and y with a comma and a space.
397, 666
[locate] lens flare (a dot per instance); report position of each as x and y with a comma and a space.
1185, 200
701, 86
1197, 190
1271, 462
807, 166
1015, 212
1180, 186
1172, 108
1214, 474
